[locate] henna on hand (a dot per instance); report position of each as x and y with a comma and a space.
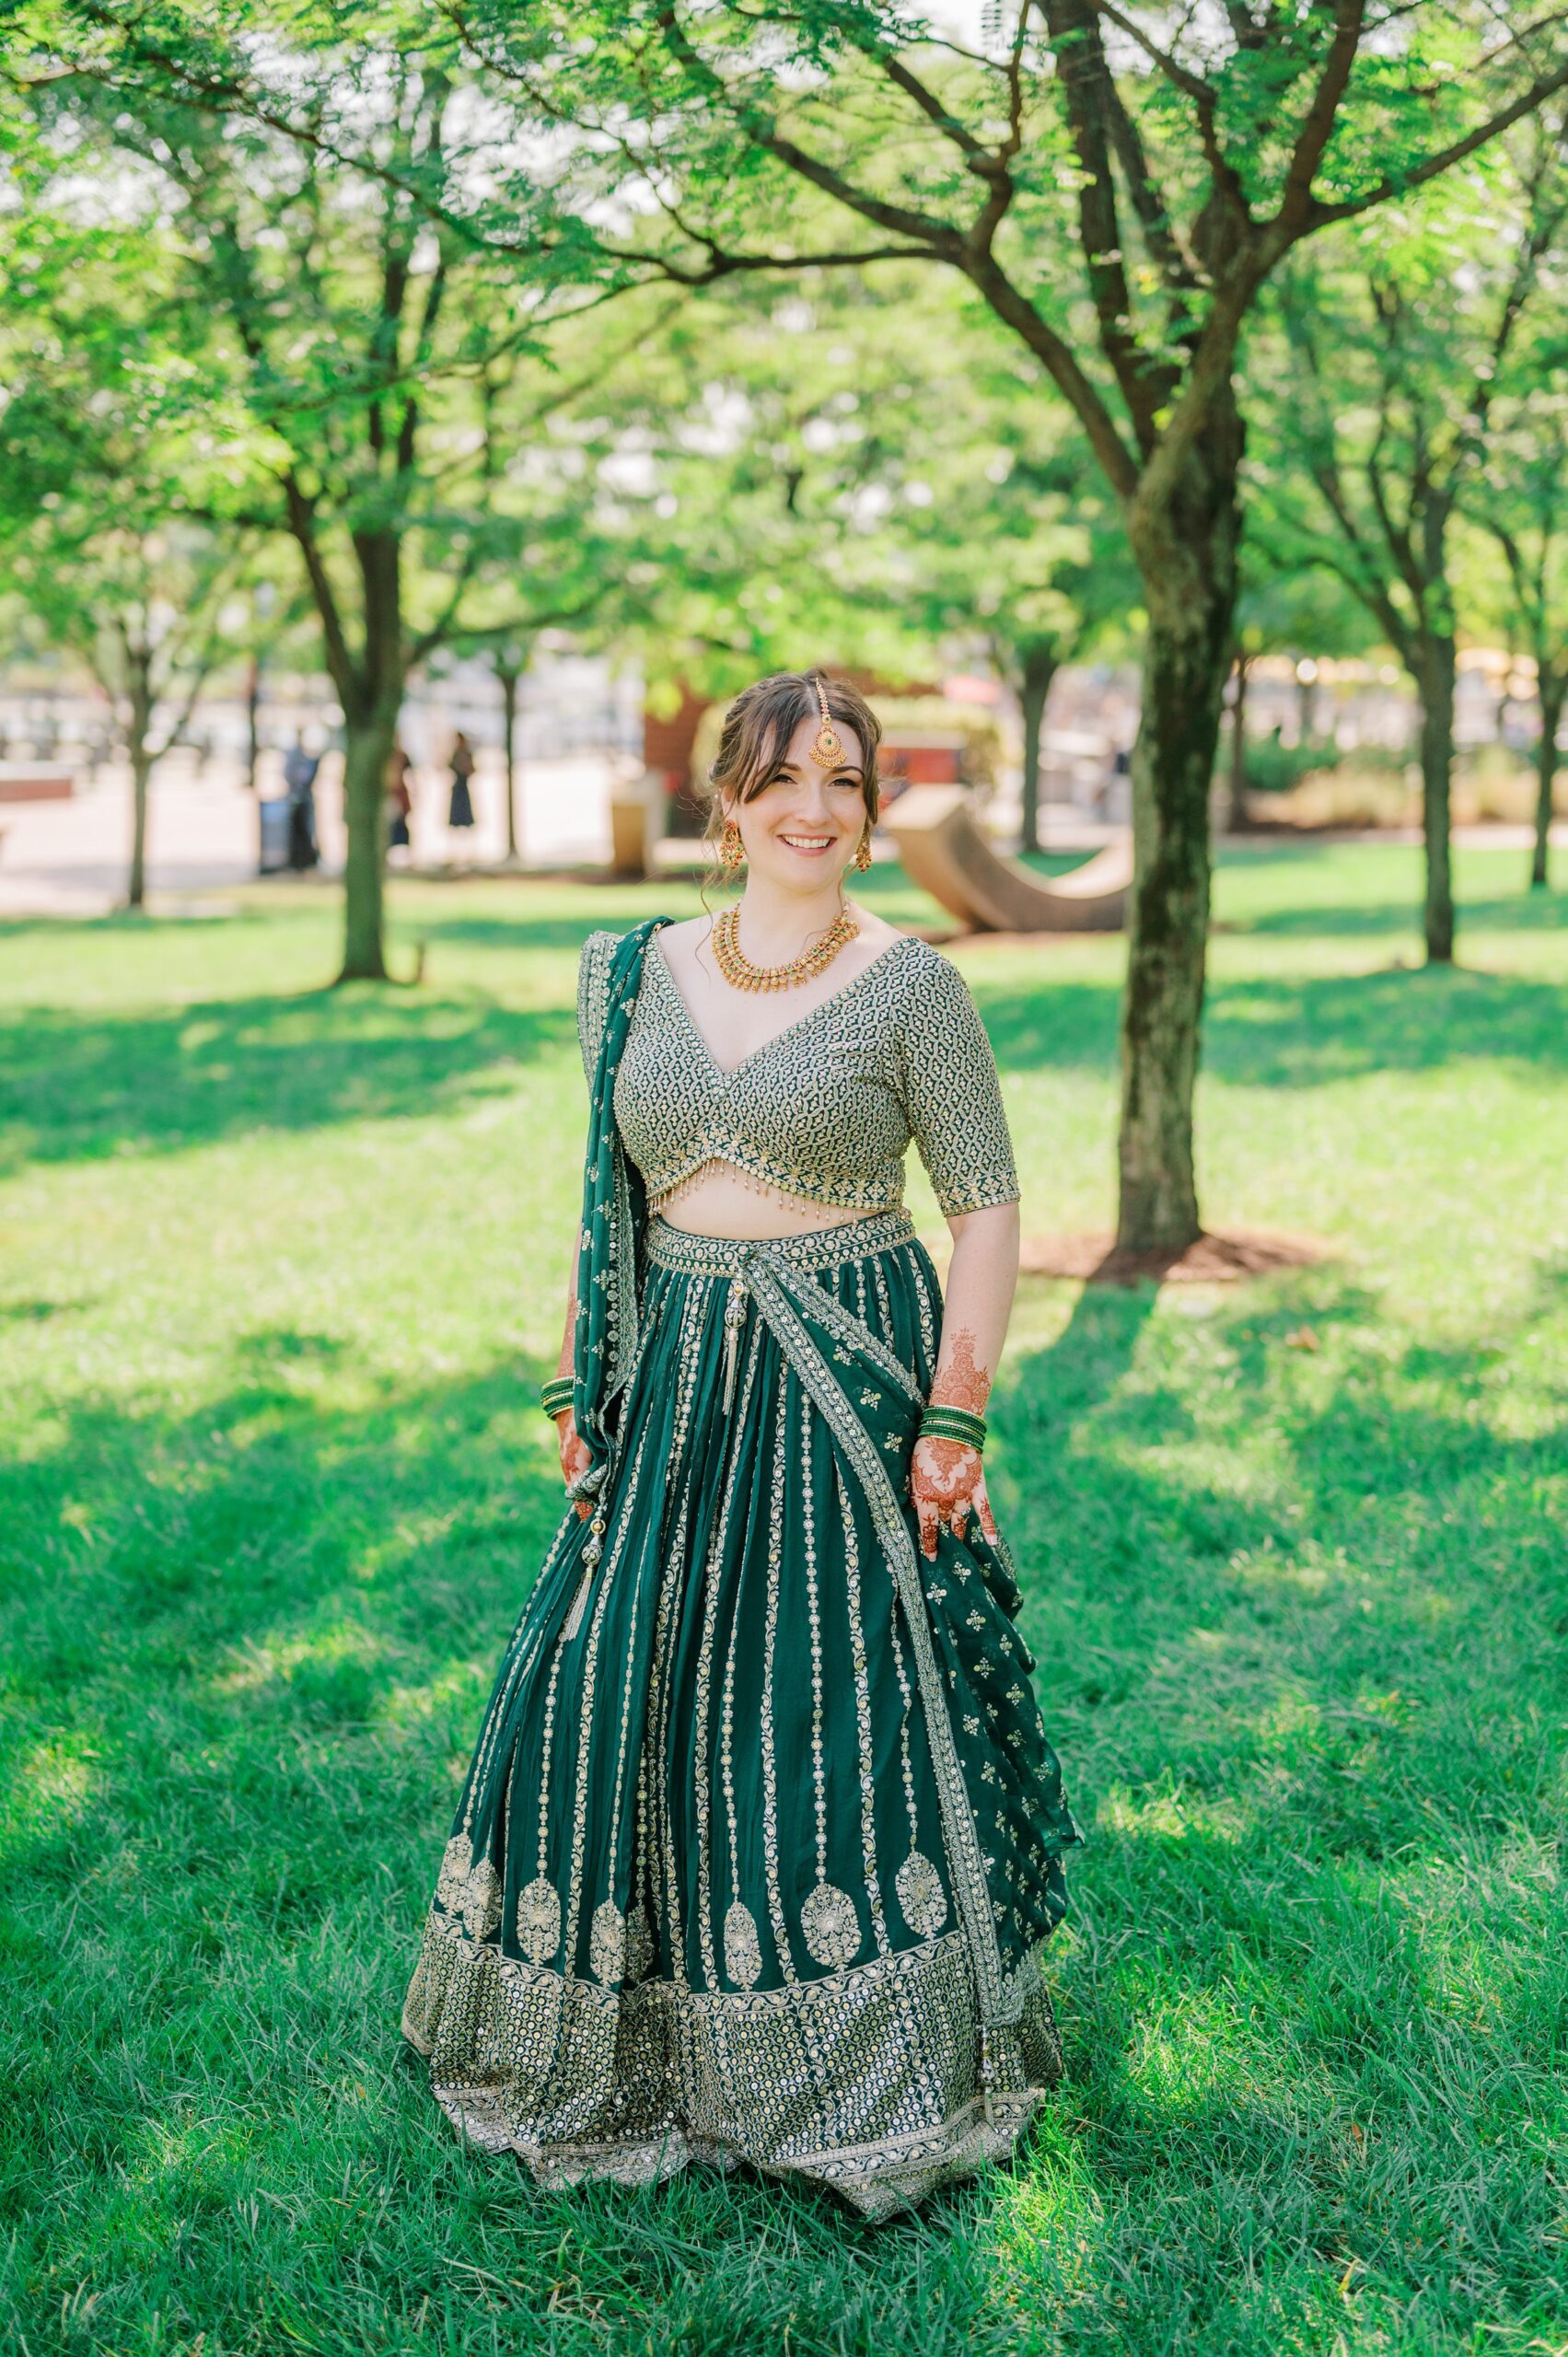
946, 1479
959, 1380
576, 1458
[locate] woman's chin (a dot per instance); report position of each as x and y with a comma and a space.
804, 867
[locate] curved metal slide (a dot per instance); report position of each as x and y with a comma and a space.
945, 853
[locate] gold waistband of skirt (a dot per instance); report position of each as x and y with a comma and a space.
818, 1247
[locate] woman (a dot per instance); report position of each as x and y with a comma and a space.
299, 769
762, 1841
400, 801
460, 808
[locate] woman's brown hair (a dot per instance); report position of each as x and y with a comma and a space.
756, 730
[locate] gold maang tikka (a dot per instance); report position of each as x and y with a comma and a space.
827, 748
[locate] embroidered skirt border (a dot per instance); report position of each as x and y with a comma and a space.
520, 2058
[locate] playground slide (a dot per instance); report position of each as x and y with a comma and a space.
943, 850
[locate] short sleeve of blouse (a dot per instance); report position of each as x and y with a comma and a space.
592, 997
952, 1095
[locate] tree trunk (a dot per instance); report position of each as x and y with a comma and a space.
1185, 527
140, 771
1552, 697
1034, 690
1435, 668
367, 745
140, 699
1237, 818
252, 722
508, 676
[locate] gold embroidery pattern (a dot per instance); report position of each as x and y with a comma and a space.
957, 1823
482, 1900
827, 1108
921, 1894
581, 2081
457, 1862
831, 1927
742, 1949
607, 1943
539, 1921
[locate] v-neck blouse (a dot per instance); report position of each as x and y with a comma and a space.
827, 1108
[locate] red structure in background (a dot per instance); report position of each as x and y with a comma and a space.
36, 782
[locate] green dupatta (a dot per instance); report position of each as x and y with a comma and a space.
610, 1243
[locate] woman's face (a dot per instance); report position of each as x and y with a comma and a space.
803, 826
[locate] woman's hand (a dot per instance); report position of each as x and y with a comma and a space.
947, 1479
576, 1458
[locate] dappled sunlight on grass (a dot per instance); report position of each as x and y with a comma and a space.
273, 1488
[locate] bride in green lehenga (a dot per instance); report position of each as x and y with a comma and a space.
761, 1842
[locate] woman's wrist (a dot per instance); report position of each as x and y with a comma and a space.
940, 1421
556, 1396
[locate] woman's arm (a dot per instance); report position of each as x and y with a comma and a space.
574, 1455
945, 1477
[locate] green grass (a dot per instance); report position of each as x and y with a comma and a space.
279, 1269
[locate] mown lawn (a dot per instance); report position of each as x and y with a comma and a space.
279, 1270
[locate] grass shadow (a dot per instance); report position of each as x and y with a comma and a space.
78, 1085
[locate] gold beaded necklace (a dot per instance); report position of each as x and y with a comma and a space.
738, 969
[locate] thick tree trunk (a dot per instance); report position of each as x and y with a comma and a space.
366, 748
1436, 664
1038, 671
1236, 821
1185, 527
1551, 702
508, 676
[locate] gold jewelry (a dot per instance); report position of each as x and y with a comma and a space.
732, 851
863, 857
738, 971
827, 748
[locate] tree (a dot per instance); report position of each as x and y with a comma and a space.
1179, 161
1391, 361
393, 376
1284, 607
99, 450
1523, 505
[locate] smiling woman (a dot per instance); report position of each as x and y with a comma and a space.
761, 1844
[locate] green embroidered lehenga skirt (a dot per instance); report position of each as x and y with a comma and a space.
761, 1842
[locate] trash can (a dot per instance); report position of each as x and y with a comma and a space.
273, 852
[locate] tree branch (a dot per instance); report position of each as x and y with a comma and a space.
1350, 17
1323, 215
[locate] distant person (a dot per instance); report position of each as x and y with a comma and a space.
460, 813
299, 769
400, 801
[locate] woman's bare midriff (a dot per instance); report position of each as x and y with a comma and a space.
720, 1200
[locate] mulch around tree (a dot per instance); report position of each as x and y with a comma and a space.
1220, 1259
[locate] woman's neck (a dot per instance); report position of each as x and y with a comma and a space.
777, 925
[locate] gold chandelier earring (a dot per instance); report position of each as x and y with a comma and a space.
732, 851
863, 857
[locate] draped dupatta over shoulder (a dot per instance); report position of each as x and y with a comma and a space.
614, 1224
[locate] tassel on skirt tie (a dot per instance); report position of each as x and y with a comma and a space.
763, 1838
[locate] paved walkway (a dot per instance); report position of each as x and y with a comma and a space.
71, 858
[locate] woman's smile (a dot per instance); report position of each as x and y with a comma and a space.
811, 846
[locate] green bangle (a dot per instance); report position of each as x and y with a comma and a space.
938, 1422
558, 1393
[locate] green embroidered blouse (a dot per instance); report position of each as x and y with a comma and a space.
827, 1108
